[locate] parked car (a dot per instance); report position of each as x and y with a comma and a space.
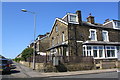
4, 65
12, 65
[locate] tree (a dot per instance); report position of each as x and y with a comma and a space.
27, 52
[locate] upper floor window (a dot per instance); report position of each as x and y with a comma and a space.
73, 18
63, 37
56, 28
117, 25
105, 35
52, 41
93, 35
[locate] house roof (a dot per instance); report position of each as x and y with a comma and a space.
61, 20
97, 25
56, 46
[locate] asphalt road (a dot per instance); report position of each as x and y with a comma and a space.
97, 75
19, 72
22, 74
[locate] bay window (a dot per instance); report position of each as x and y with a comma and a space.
110, 50
99, 51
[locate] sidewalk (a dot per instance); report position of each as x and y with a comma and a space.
33, 73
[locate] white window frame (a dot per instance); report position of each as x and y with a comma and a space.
115, 50
95, 34
98, 49
107, 36
115, 24
85, 50
70, 14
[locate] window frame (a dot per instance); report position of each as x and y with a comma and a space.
90, 36
107, 36
110, 51
69, 18
115, 23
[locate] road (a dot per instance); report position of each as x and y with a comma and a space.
19, 72
27, 73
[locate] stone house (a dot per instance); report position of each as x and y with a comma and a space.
41, 44
71, 36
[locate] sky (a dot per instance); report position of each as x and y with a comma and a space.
18, 26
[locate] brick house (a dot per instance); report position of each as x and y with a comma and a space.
70, 36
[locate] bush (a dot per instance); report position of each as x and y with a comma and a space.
17, 59
49, 68
61, 68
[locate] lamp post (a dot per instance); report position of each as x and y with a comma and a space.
24, 10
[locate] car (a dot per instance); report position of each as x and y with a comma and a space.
12, 65
4, 65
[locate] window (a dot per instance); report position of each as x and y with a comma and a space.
110, 50
72, 18
105, 35
100, 51
95, 51
89, 51
118, 48
56, 28
117, 25
63, 37
93, 35
52, 41
58, 39
84, 51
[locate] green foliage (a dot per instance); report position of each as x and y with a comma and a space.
27, 53
17, 59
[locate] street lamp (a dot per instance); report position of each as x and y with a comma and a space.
24, 10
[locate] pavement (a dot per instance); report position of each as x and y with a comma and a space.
32, 73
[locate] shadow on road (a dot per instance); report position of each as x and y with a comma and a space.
11, 72
14, 71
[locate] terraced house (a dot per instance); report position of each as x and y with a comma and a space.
71, 36
73, 40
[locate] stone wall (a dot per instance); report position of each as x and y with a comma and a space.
71, 66
107, 64
38, 66
118, 64
81, 33
56, 36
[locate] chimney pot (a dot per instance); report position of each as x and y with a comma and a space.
90, 19
107, 20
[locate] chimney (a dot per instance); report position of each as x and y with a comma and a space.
90, 19
47, 33
78, 12
107, 20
